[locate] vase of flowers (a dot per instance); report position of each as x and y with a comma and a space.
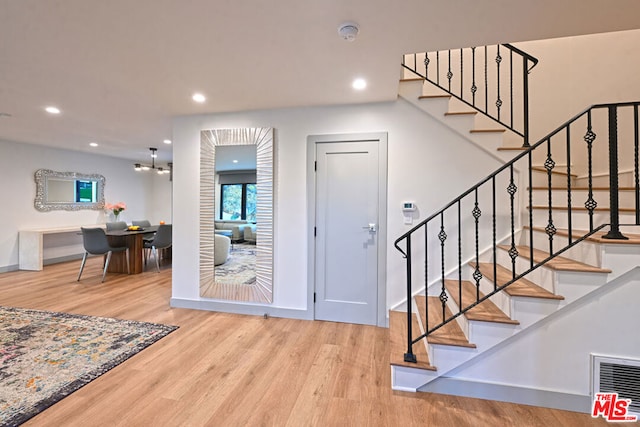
115, 208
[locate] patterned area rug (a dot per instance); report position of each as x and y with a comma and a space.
45, 356
240, 268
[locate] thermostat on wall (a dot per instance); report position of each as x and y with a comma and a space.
408, 207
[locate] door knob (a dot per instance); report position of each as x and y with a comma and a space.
371, 227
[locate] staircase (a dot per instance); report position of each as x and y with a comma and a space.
534, 238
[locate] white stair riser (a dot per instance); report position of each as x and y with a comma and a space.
491, 141
449, 356
586, 251
541, 178
502, 300
410, 379
579, 220
620, 258
463, 322
575, 285
578, 198
487, 334
531, 310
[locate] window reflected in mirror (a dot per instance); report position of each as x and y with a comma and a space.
68, 190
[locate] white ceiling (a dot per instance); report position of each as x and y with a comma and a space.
120, 70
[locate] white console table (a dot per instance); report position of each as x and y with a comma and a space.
31, 244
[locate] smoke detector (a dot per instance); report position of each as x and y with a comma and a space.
348, 31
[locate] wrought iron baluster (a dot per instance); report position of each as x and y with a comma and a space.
569, 183
461, 73
511, 86
636, 177
498, 100
486, 81
589, 137
549, 164
426, 275
442, 236
525, 100
438, 67
409, 356
495, 261
614, 203
426, 65
529, 156
513, 251
449, 73
474, 88
477, 274
459, 255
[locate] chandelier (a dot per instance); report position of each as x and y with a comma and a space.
158, 169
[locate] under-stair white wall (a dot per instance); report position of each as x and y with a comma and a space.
549, 363
428, 164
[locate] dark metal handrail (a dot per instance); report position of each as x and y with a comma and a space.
482, 85
597, 117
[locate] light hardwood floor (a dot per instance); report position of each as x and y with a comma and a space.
222, 369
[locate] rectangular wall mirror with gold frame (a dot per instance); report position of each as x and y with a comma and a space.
260, 290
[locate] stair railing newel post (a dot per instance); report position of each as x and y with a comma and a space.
614, 231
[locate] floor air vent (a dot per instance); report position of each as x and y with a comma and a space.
615, 375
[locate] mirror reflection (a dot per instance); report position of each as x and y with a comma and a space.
68, 190
235, 216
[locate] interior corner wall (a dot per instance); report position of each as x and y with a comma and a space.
427, 163
576, 72
19, 162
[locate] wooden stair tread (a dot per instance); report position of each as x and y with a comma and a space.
433, 96
460, 113
634, 239
398, 342
519, 288
412, 79
555, 172
486, 311
513, 148
487, 131
582, 208
449, 334
558, 263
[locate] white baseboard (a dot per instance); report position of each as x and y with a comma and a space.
241, 308
513, 394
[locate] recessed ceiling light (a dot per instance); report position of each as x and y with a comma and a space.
93, 144
359, 84
52, 110
235, 161
198, 97
167, 141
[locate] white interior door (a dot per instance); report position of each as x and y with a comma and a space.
346, 264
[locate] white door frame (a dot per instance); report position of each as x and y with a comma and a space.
381, 138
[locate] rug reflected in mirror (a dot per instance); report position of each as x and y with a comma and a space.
45, 356
236, 278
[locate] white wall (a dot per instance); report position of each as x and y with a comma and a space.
428, 164
144, 196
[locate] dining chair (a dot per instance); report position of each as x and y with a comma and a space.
161, 240
96, 243
118, 225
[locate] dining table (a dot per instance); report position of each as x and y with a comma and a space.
133, 240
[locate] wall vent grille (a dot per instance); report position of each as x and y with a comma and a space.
617, 375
